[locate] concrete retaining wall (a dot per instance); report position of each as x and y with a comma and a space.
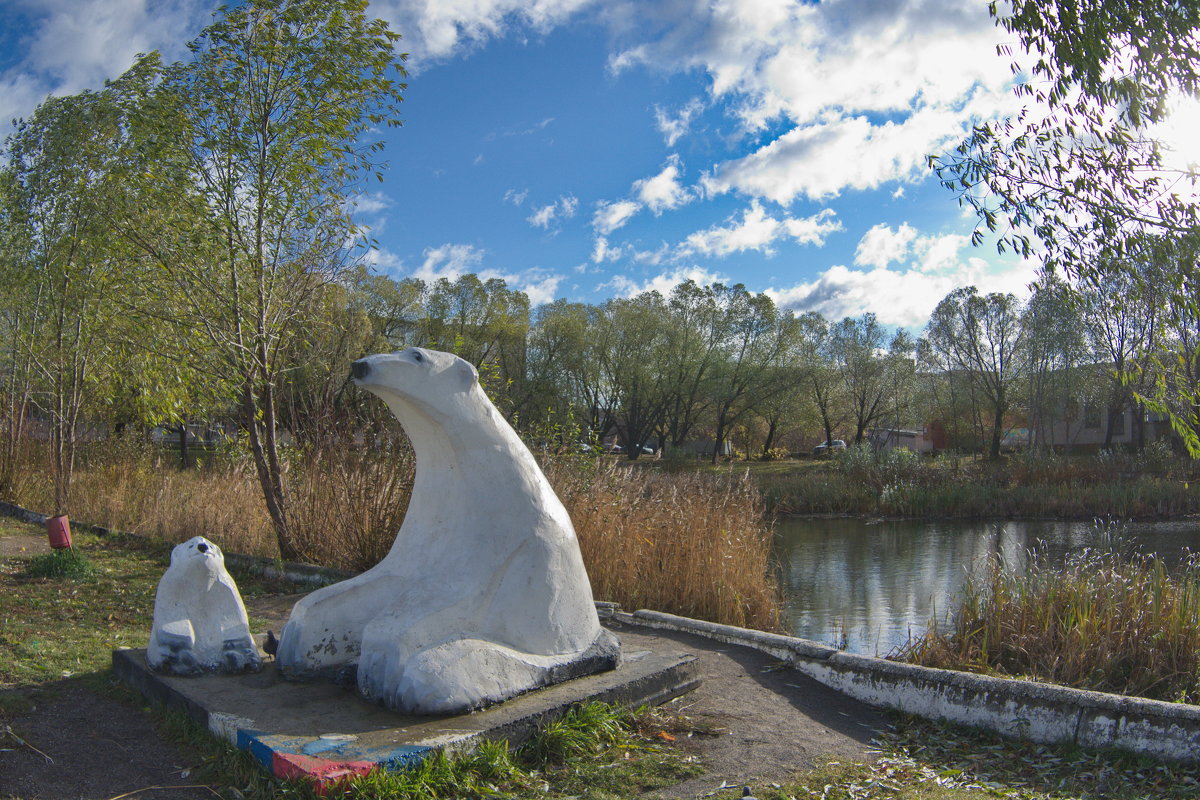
1036, 711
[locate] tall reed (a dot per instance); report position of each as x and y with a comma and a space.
690, 543
1105, 622
347, 502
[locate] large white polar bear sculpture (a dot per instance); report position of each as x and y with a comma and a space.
483, 594
200, 622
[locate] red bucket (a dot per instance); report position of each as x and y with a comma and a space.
59, 530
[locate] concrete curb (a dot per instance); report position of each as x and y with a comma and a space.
1039, 712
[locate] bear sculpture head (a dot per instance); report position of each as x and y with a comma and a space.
427, 380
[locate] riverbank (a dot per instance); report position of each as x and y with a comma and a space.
57, 700
1155, 484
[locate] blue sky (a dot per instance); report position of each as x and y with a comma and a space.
586, 149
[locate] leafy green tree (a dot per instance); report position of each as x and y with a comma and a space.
1055, 349
634, 366
545, 395
820, 378
696, 334
757, 340
982, 337
268, 133
63, 268
857, 348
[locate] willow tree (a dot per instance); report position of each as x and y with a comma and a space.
1079, 176
981, 336
273, 126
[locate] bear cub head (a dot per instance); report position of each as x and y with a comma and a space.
197, 552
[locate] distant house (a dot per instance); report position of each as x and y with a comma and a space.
918, 441
1088, 427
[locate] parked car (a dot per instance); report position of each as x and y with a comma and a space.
827, 447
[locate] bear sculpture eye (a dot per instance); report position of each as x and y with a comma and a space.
417, 356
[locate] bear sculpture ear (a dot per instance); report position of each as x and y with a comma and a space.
468, 372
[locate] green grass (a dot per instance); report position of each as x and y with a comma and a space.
921, 759
68, 563
595, 752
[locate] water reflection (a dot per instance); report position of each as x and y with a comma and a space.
865, 585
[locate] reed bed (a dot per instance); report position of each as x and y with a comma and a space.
1105, 622
690, 544
898, 483
137, 488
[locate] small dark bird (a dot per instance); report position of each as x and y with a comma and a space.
271, 645
746, 794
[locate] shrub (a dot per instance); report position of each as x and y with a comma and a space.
66, 563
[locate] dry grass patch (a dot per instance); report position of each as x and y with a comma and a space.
688, 543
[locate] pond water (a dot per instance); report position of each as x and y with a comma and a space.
865, 585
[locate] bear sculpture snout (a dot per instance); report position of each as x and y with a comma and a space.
202, 547
359, 369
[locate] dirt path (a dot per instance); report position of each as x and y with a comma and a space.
23, 544
90, 747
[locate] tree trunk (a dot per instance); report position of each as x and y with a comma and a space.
1109, 425
183, 446
265, 450
770, 440
719, 437
997, 432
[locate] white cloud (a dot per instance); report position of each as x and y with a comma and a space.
382, 259
675, 126
611, 216
440, 29
540, 286
371, 203
662, 191
516, 197
822, 159
662, 283
758, 230
562, 208
862, 89
927, 269
453, 260
73, 45
601, 251
884, 244
450, 261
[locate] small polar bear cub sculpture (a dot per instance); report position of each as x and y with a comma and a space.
483, 595
200, 623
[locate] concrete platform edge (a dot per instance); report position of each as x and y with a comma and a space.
286, 756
